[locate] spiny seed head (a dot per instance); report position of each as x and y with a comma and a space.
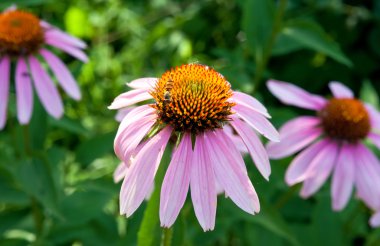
193, 98
20, 33
345, 119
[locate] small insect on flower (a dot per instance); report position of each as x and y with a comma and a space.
194, 106
333, 142
23, 37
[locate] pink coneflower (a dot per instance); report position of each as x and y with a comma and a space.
191, 105
22, 39
332, 142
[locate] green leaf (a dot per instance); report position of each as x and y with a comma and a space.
20, 3
257, 23
310, 35
69, 125
368, 94
94, 148
77, 23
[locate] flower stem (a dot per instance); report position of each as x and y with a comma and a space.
167, 234
262, 63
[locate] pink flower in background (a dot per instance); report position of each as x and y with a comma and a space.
193, 106
23, 38
332, 142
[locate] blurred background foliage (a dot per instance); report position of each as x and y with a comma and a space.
62, 192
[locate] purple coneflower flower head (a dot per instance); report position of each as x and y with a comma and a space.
191, 105
331, 142
23, 38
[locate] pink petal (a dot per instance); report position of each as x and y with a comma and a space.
126, 142
291, 144
4, 89
339, 90
143, 83
343, 178
60, 36
367, 176
176, 182
258, 122
140, 177
254, 146
121, 113
298, 168
236, 139
129, 98
227, 168
374, 116
63, 75
120, 172
293, 95
134, 115
291, 127
24, 92
202, 183
375, 220
320, 169
46, 90
71, 50
250, 102
375, 139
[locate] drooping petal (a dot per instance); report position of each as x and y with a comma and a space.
236, 139
343, 178
374, 116
254, 146
293, 95
65, 78
120, 172
71, 50
127, 141
46, 90
251, 102
140, 177
375, 139
121, 113
202, 184
24, 92
320, 169
229, 172
129, 98
375, 220
367, 175
176, 182
258, 122
4, 89
291, 144
143, 83
339, 90
297, 171
56, 34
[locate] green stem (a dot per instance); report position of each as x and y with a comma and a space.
38, 215
167, 234
262, 63
285, 197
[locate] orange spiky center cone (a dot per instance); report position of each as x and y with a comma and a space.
193, 98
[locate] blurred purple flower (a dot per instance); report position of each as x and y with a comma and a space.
331, 142
193, 105
22, 39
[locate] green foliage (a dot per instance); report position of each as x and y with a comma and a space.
56, 185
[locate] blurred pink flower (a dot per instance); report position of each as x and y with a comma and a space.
22, 39
192, 105
332, 142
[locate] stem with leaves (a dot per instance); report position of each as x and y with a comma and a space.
263, 62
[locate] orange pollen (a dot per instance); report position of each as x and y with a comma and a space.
193, 98
345, 119
20, 33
